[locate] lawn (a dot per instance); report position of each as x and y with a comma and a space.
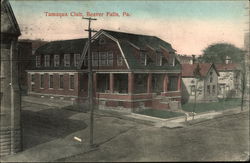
160, 113
216, 106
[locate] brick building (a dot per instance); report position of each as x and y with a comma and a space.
130, 71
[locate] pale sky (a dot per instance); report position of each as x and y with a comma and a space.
190, 26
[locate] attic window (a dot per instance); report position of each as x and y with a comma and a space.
102, 41
158, 58
143, 58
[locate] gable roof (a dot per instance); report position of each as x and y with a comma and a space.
9, 24
227, 67
128, 42
63, 47
188, 69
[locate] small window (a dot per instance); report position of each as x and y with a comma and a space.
208, 89
102, 41
143, 58
110, 59
211, 79
158, 59
56, 60
192, 88
47, 61
71, 82
38, 61
51, 82
66, 60
76, 59
61, 84
214, 89
41, 81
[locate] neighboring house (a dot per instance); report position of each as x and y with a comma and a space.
206, 85
25, 62
229, 81
185, 59
130, 71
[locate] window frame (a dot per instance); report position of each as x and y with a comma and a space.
38, 61
71, 83
56, 60
61, 81
46, 60
77, 59
51, 82
42, 81
66, 60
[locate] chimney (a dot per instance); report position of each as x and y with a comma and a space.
193, 59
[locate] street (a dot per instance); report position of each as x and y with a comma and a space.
221, 139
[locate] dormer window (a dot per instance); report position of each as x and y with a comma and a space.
47, 61
66, 60
143, 58
158, 59
38, 61
76, 59
56, 60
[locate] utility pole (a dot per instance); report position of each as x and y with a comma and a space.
90, 83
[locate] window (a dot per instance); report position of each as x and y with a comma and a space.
32, 82
192, 88
51, 81
38, 61
214, 88
208, 89
142, 58
158, 59
41, 81
66, 60
103, 57
173, 83
211, 77
102, 41
47, 61
110, 59
94, 58
71, 82
119, 60
56, 60
32, 78
61, 84
76, 59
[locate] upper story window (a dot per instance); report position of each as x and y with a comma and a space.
47, 61
119, 60
158, 58
102, 41
66, 60
143, 58
103, 57
38, 61
95, 58
211, 77
110, 59
192, 90
76, 59
56, 60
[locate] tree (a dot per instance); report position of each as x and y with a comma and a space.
197, 75
216, 53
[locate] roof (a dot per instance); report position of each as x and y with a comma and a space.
227, 67
188, 69
63, 47
129, 41
9, 24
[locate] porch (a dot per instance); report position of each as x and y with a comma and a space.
137, 90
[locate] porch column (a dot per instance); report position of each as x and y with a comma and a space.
149, 83
130, 83
111, 82
165, 83
179, 82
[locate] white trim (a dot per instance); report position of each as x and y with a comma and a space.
128, 100
57, 95
54, 71
134, 45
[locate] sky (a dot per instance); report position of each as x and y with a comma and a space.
190, 26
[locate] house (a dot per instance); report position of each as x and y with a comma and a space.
204, 86
10, 106
130, 71
229, 81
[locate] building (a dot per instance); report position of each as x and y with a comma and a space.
130, 71
10, 128
229, 81
25, 58
205, 87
